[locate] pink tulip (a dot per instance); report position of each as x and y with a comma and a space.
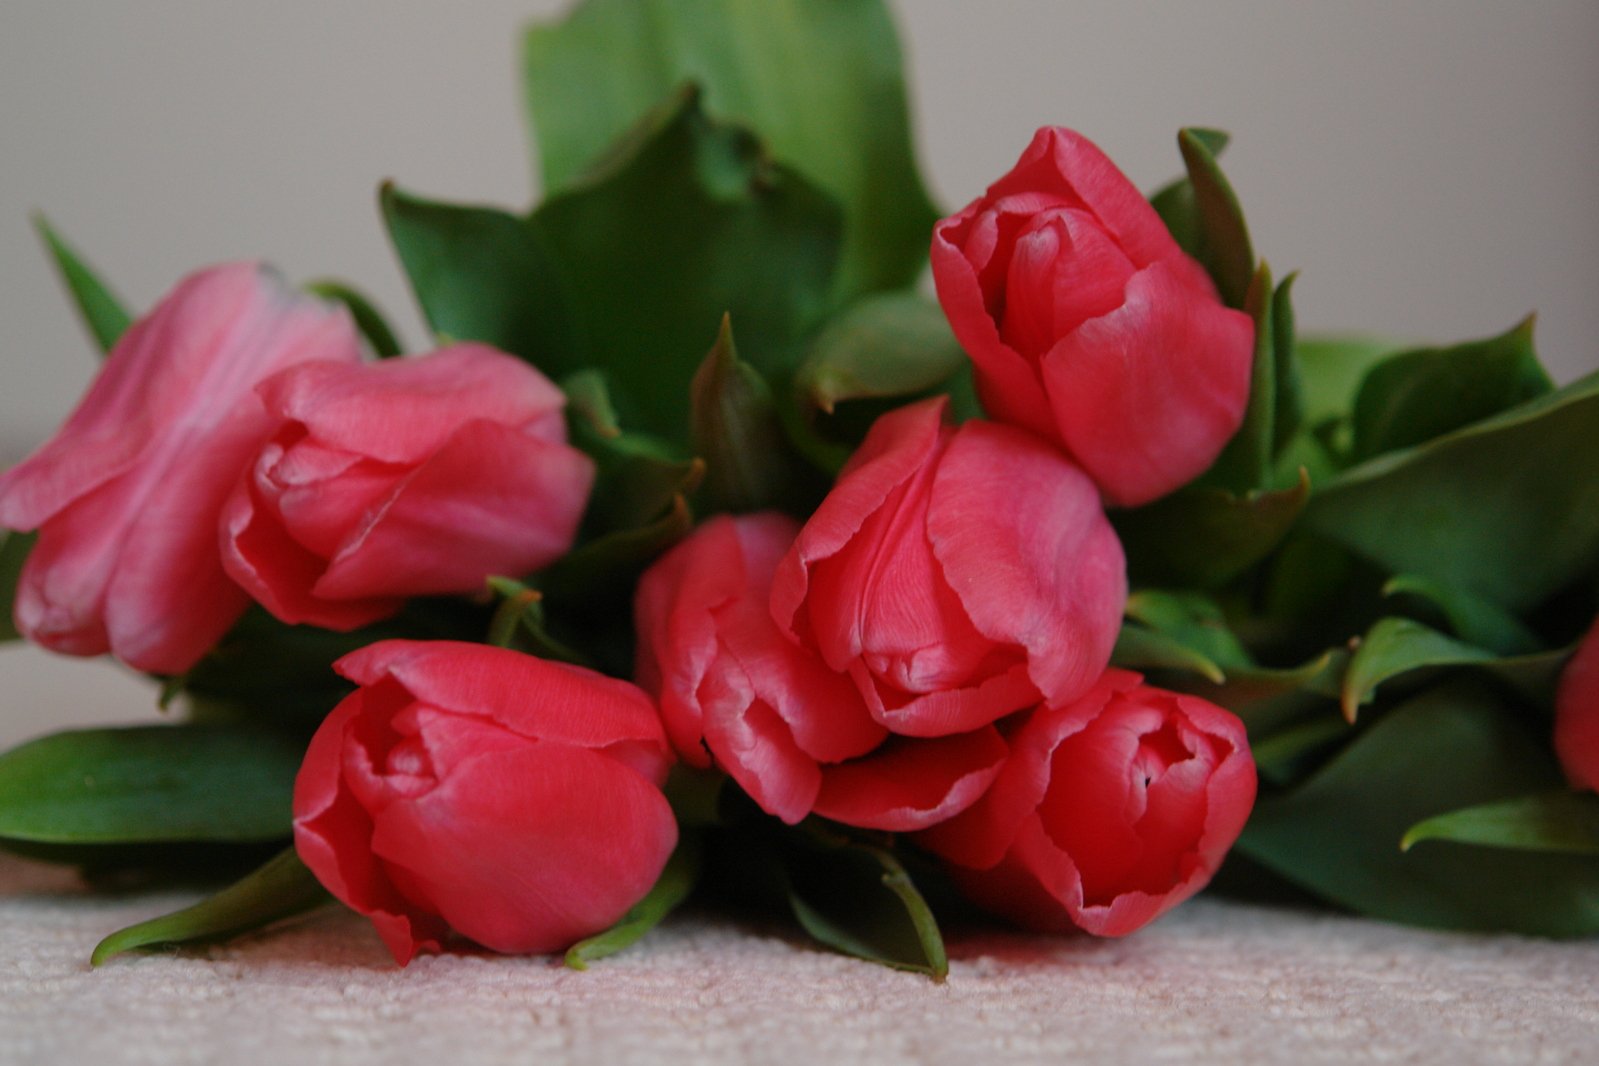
1086, 323
1577, 714
1110, 810
127, 494
794, 734
462, 787
956, 575
406, 477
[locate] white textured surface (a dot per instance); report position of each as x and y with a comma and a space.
1214, 982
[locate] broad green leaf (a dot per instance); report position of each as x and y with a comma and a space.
630, 270
14, 549
885, 346
1141, 648
1397, 646
1474, 620
368, 319
1332, 368
1279, 755
480, 274
101, 310
149, 783
1506, 509
820, 83
1223, 245
1414, 396
1245, 463
1453, 747
1559, 821
857, 898
1175, 201
736, 431
676, 882
1193, 619
280, 889
605, 569
1204, 536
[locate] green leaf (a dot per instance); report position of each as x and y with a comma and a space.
519, 622
638, 475
1558, 821
149, 783
820, 83
1455, 746
676, 882
14, 549
1223, 238
1397, 646
1474, 620
101, 310
1221, 534
1245, 463
1414, 396
368, 319
1175, 202
736, 431
857, 898
280, 889
606, 569
1141, 648
1192, 618
1506, 509
628, 271
1279, 755
1332, 368
1288, 410
885, 346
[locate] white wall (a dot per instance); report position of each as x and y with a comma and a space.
1429, 164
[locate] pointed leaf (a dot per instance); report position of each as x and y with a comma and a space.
1474, 620
1224, 246
519, 623
735, 430
1506, 509
885, 346
1175, 202
638, 476
675, 884
1414, 396
858, 899
844, 124
606, 568
102, 312
1397, 646
149, 783
1193, 619
1288, 410
14, 549
1453, 747
1205, 537
1559, 821
1245, 463
280, 889
1332, 368
1141, 648
368, 319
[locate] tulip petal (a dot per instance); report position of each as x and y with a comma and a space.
1051, 577
911, 784
756, 746
532, 849
1140, 421
1576, 734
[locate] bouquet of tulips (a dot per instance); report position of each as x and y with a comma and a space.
707, 552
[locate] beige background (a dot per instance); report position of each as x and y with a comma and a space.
1429, 164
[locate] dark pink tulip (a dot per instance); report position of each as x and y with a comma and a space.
127, 494
1086, 323
1110, 811
1577, 714
462, 787
956, 575
402, 478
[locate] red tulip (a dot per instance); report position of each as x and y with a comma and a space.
1086, 323
1577, 714
127, 494
513, 800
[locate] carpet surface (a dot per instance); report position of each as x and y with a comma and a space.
1214, 982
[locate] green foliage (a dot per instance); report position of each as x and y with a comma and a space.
368, 319
14, 549
1205, 536
891, 346
280, 889
102, 312
675, 884
165, 783
1557, 821
820, 84
1220, 236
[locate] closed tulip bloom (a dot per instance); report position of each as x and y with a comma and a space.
1577, 714
126, 496
737, 693
1110, 810
1086, 323
956, 575
406, 477
462, 787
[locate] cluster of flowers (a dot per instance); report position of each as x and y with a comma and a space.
928, 653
